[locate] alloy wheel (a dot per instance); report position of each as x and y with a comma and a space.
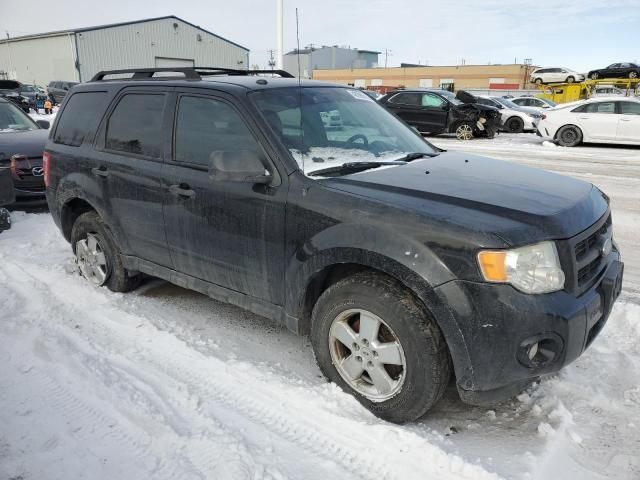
367, 354
464, 132
91, 260
569, 136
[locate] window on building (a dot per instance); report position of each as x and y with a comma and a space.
359, 83
135, 126
206, 127
79, 118
376, 82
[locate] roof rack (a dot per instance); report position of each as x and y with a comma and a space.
189, 73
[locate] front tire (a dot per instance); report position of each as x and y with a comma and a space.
571, 79
373, 339
464, 131
594, 76
633, 74
569, 136
98, 256
538, 81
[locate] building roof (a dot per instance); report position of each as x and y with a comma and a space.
304, 51
111, 25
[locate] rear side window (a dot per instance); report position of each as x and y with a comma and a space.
602, 107
135, 126
207, 127
80, 117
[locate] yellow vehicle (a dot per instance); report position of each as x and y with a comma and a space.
571, 92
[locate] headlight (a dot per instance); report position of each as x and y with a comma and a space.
532, 269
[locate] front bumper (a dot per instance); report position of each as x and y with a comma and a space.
500, 324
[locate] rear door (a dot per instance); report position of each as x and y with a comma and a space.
228, 233
128, 164
629, 122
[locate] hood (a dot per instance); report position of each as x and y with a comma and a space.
9, 85
30, 143
484, 194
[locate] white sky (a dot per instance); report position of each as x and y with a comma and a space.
577, 34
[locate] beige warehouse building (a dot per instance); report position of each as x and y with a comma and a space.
507, 77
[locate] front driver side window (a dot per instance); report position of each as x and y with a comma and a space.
407, 98
206, 127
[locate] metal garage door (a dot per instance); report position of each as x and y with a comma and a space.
166, 62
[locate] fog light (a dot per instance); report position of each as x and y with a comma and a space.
539, 351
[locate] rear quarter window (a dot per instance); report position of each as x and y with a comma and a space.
80, 118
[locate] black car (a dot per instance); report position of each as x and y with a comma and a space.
441, 111
33, 95
405, 264
58, 89
616, 70
10, 90
22, 142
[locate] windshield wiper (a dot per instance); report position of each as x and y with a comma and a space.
352, 167
415, 156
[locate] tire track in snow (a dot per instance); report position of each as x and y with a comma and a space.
229, 386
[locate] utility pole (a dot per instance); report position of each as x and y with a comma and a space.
279, 34
527, 64
272, 62
387, 54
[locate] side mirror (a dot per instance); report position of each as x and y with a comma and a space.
43, 124
238, 166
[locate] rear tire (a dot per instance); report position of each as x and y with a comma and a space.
633, 74
514, 125
347, 348
105, 267
569, 136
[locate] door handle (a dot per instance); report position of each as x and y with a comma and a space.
182, 190
625, 119
584, 118
100, 171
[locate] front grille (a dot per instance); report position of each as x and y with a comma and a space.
582, 256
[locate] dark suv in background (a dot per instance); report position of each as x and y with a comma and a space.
405, 264
441, 111
58, 89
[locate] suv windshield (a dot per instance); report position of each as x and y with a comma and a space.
12, 119
328, 126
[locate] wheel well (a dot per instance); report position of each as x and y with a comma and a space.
70, 212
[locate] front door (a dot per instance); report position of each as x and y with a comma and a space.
599, 121
225, 232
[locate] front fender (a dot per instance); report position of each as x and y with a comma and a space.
407, 260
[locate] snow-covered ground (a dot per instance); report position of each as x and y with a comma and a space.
166, 383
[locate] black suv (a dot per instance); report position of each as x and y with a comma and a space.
404, 263
440, 111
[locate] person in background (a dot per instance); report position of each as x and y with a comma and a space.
48, 106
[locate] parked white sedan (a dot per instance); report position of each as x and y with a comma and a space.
597, 120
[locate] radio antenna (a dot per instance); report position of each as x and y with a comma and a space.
302, 150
